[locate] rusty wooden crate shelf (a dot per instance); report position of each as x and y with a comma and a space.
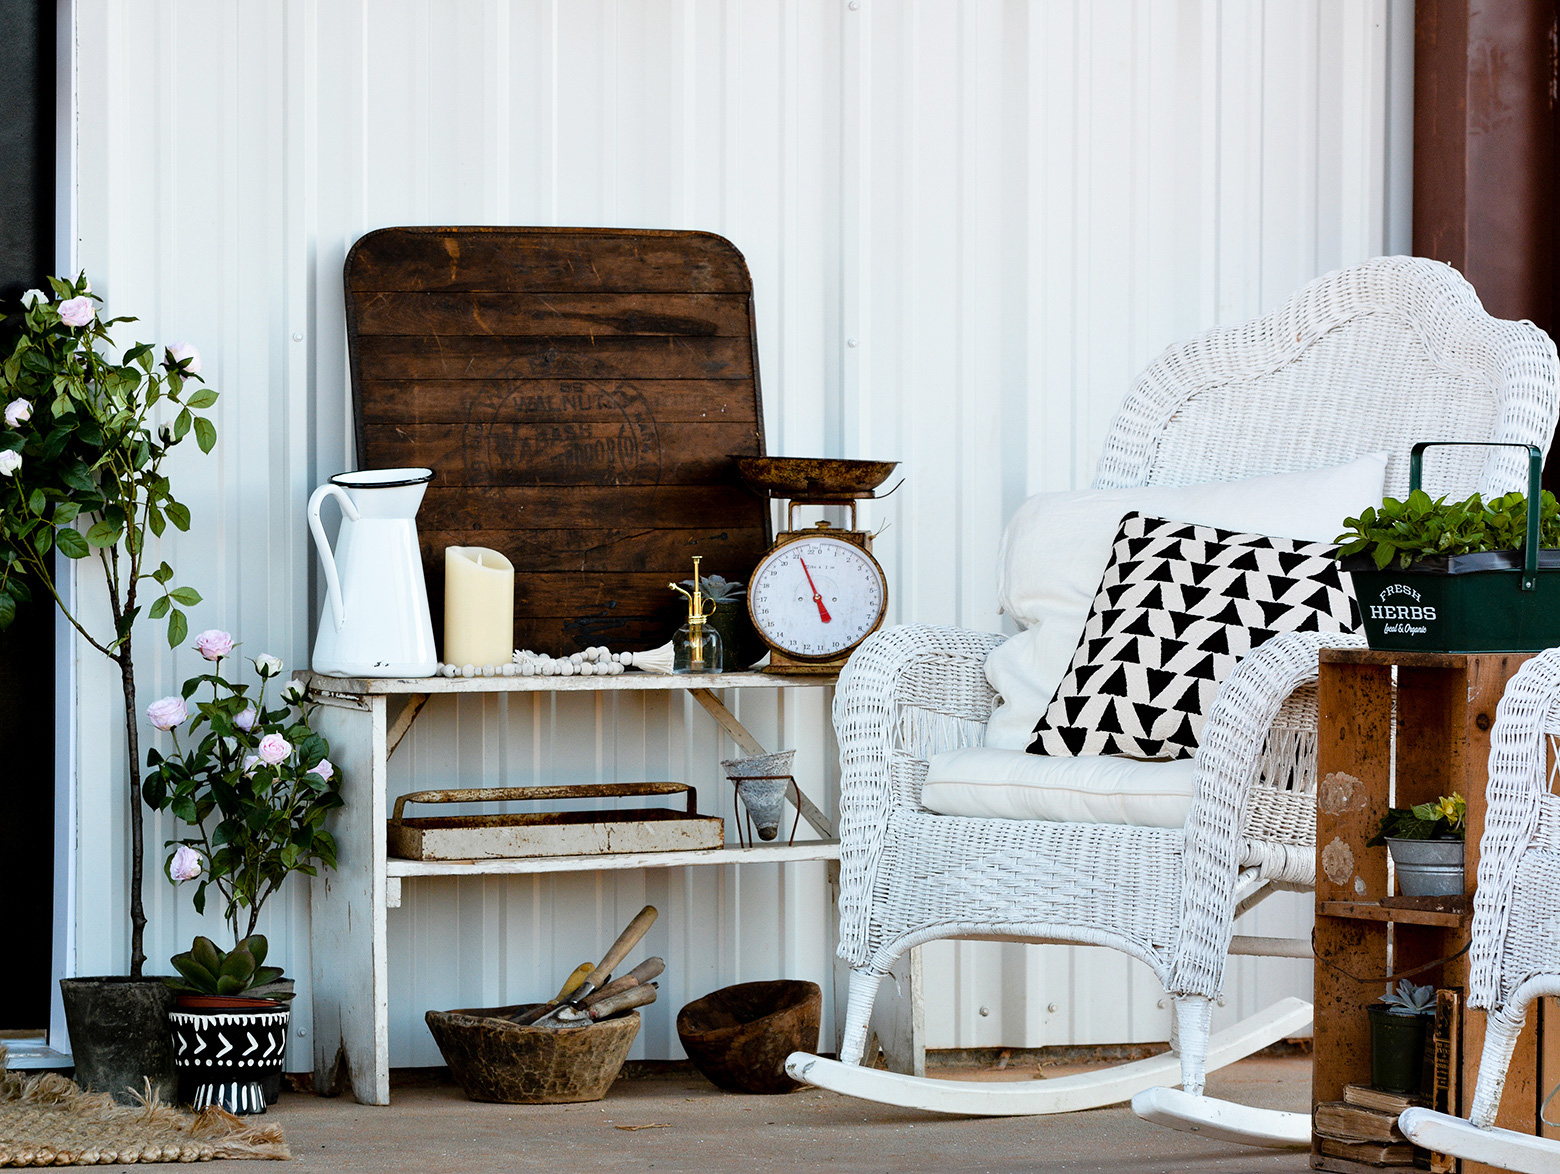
1373, 911
1396, 729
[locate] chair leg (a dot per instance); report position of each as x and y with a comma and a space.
858, 1013
1500, 1041
1193, 1022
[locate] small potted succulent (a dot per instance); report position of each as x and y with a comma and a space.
1400, 1024
1427, 846
253, 782
730, 619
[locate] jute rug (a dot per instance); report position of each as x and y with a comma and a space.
47, 1121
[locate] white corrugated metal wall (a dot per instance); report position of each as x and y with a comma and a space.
969, 225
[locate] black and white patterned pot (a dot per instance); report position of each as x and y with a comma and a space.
228, 1053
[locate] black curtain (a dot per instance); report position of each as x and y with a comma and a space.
27, 125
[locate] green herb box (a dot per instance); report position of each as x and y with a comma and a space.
1486, 601
1459, 603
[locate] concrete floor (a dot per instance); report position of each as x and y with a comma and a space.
680, 1122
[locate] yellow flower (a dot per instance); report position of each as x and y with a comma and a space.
1453, 809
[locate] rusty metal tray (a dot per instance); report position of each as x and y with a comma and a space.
551, 833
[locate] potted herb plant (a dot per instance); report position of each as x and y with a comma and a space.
1467, 576
83, 449
1427, 843
254, 783
738, 639
1399, 1026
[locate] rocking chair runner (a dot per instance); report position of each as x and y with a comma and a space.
1515, 950
1362, 360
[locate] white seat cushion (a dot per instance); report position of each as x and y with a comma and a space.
1057, 546
988, 782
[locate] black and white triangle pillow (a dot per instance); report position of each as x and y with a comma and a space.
1177, 609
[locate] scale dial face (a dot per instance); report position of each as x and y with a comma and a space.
817, 597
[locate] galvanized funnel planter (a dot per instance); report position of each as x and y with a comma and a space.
762, 783
1488, 601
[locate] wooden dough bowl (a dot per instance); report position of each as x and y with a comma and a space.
494, 1059
739, 1036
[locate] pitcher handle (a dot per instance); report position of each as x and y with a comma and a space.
328, 556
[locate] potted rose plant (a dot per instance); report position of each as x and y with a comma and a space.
83, 447
253, 783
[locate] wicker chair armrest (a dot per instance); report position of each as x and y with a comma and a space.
1227, 765
913, 688
1517, 794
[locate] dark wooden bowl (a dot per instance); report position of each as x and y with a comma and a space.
813, 476
739, 1036
495, 1059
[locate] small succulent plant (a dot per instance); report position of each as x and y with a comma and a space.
717, 588
1409, 999
209, 970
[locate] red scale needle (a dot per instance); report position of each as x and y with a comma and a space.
823, 612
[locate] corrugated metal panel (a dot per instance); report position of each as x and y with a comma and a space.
969, 225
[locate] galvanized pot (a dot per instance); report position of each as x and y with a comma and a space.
1428, 868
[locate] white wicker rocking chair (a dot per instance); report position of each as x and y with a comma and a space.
1367, 359
1515, 951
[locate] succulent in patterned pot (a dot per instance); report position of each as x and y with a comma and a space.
227, 1041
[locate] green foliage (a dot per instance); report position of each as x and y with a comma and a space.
1445, 819
207, 969
1420, 526
1409, 999
90, 481
253, 823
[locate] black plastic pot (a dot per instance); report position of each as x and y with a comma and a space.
1397, 1049
119, 1035
739, 640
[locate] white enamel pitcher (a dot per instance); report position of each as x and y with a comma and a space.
375, 622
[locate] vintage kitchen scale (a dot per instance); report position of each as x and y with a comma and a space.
817, 593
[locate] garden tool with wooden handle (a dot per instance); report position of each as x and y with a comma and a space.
548, 1016
612, 1005
638, 976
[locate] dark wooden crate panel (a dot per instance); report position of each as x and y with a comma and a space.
579, 395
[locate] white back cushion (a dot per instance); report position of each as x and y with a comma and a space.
1057, 547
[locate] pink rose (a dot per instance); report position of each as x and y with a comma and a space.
167, 713
245, 718
184, 356
325, 770
214, 644
77, 311
185, 864
273, 748
18, 411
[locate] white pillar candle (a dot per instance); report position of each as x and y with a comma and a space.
479, 606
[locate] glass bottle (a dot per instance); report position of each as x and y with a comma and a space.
696, 646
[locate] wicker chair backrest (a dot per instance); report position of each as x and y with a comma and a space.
1367, 359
